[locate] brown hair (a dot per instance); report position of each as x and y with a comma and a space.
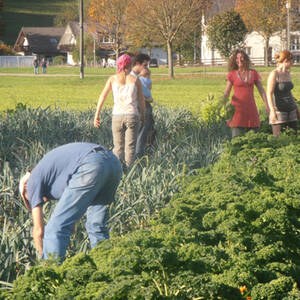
284, 55
232, 65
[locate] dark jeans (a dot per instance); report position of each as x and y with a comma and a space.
144, 130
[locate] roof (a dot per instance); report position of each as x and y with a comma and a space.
41, 39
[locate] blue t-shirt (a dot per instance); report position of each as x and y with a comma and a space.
51, 175
145, 86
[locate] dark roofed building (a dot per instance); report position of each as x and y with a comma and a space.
71, 33
42, 41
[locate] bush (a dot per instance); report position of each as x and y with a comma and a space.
59, 60
235, 223
6, 50
27, 134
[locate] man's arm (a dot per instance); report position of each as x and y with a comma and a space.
38, 228
141, 100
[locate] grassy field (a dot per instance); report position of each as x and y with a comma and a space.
155, 71
74, 93
70, 92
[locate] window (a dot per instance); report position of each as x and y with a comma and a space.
248, 51
53, 41
295, 42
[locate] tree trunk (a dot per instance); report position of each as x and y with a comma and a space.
117, 53
267, 39
195, 47
170, 60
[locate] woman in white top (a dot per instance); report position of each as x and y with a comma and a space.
128, 111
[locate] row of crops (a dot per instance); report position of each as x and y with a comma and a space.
27, 134
198, 218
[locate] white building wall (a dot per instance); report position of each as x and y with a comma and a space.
254, 44
70, 60
158, 53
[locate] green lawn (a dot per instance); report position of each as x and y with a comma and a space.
71, 92
160, 70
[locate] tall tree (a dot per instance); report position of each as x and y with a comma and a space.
111, 14
226, 31
165, 18
264, 16
136, 38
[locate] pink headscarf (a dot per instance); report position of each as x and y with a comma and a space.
123, 61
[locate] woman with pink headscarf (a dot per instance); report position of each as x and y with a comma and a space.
128, 110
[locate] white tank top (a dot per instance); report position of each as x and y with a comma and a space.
125, 99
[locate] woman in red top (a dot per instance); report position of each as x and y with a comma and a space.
243, 79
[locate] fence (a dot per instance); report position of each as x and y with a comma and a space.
16, 61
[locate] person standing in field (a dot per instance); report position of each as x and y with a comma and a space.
140, 63
128, 110
44, 65
149, 122
284, 111
36, 65
84, 177
243, 79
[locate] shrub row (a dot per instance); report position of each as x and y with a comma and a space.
182, 144
235, 224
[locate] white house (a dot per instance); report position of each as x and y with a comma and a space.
254, 45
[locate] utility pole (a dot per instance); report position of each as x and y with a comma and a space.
288, 38
81, 39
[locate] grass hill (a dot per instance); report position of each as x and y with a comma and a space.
28, 13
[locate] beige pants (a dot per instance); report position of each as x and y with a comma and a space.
125, 130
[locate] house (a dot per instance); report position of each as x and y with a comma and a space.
254, 44
71, 34
53, 41
39, 41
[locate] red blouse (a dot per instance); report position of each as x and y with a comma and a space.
246, 114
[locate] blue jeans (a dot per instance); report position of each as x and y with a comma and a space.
90, 189
144, 130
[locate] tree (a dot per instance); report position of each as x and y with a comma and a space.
165, 19
6, 50
226, 31
111, 15
88, 50
264, 16
136, 38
